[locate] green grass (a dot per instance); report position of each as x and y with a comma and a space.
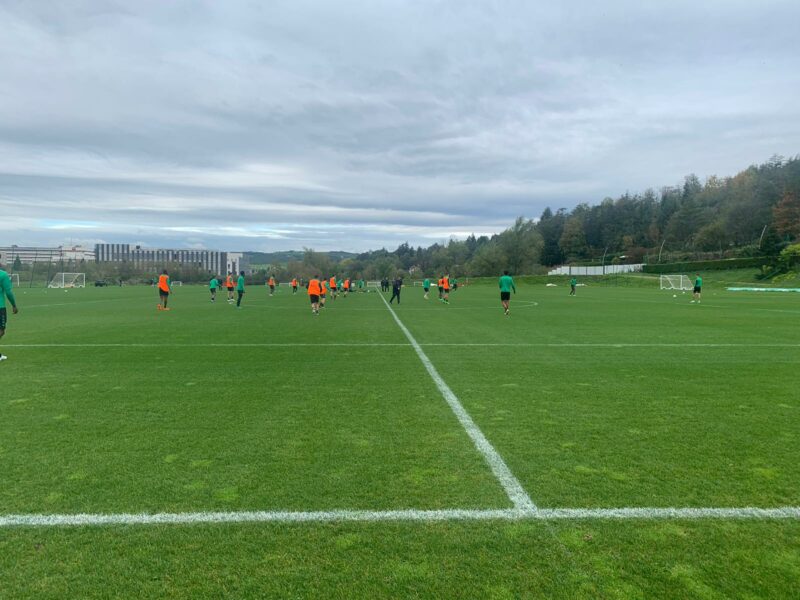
619, 397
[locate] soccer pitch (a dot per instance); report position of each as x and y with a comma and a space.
619, 444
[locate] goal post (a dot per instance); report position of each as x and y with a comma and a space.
68, 280
14, 279
675, 282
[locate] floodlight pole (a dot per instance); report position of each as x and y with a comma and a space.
604, 260
761, 237
661, 248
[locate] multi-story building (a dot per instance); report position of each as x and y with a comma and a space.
39, 254
212, 261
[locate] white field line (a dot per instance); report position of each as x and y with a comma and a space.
516, 493
366, 516
423, 344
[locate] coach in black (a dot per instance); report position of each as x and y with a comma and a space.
397, 285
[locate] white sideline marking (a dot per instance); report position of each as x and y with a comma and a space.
424, 344
511, 485
331, 516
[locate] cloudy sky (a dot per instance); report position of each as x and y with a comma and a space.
361, 124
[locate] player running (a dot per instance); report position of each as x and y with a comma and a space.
239, 290
212, 286
573, 284
271, 284
441, 287
229, 286
163, 290
446, 289
333, 288
698, 288
346, 287
397, 287
6, 292
506, 286
323, 292
314, 293
294, 286
426, 286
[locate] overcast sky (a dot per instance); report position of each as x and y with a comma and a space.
351, 125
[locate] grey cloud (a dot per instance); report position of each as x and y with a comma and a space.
403, 120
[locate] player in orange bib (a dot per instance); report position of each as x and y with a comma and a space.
332, 287
229, 287
314, 293
271, 284
294, 285
163, 290
446, 289
346, 287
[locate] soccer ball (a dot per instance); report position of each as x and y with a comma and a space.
674, 295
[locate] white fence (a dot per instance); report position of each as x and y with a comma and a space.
606, 270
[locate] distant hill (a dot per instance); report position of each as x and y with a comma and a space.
282, 258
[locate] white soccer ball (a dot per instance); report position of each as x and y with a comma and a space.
674, 295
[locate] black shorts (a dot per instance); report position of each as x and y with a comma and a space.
3, 318
314, 298
696, 290
427, 290
505, 296
213, 291
441, 289
333, 289
272, 288
230, 289
294, 288
162, 293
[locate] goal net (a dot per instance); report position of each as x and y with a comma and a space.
68, 280
175, 283
675, 282
14, 279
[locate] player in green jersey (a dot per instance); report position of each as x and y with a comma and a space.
212, 286
698, 288
573, 283
506, 286
6, 292
426, 285
239, 289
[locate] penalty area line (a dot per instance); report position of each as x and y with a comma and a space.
367, 516
513, 488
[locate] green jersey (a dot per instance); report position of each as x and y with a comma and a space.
426, 284
213, 284
507, 284
240, 284
698, 282
360, 283
340, 284
5, 289
573, 282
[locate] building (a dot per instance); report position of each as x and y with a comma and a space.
212, 261
39, 254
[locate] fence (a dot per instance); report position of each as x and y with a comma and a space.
587, 271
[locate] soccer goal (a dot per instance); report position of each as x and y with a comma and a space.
176, 283
14, 279
675, 282
68, 280
374, 284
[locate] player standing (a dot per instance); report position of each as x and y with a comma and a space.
163, 290
346, 287
294, 286
506, 286
271, 284
573, 283
212, 286
239, 290
314, 293
229, 286
446, 288
426, 286
6, 292
441, 287
698, 288
323, 292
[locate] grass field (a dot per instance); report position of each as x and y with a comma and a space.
264, 452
